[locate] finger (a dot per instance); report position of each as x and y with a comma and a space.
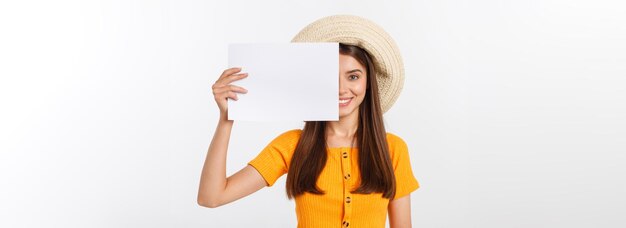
225, 80
216, 86
232, 95
234, 77
229, 71
232, 88
222, 89
238, 89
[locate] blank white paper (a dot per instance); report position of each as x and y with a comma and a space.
286, 82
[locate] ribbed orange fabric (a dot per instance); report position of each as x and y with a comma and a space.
338, 207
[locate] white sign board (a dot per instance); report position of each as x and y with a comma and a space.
286, 82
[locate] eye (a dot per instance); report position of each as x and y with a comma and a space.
353, 77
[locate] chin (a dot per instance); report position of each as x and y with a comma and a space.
343, 114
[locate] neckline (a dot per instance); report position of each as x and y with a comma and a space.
343, 147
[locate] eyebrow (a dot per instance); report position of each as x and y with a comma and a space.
355, 70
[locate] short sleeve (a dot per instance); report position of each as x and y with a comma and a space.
405, 180
273, 161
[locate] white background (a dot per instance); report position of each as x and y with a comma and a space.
514, 111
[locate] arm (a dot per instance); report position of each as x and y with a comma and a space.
215, 189
400, 212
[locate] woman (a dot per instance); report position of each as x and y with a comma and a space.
346, 173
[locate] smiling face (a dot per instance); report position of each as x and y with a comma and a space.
352, 85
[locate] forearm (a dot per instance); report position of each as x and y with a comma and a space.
213, 178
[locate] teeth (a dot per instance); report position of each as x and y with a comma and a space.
344, 101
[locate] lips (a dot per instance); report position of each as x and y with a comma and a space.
344, 102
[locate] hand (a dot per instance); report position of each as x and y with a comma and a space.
222, 89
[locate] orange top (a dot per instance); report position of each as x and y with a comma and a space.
337, 207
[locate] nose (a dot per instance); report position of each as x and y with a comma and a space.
342, 87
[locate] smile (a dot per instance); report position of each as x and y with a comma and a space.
345, 102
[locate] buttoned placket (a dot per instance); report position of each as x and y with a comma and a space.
347, 202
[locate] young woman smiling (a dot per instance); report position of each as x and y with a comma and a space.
348, 173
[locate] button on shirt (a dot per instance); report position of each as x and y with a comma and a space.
337, 207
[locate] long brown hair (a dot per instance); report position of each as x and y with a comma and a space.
310, 156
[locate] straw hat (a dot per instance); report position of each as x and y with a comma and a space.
358, 31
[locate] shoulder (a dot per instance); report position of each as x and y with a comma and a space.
291, 134
397, 146
288, 138
395, 141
